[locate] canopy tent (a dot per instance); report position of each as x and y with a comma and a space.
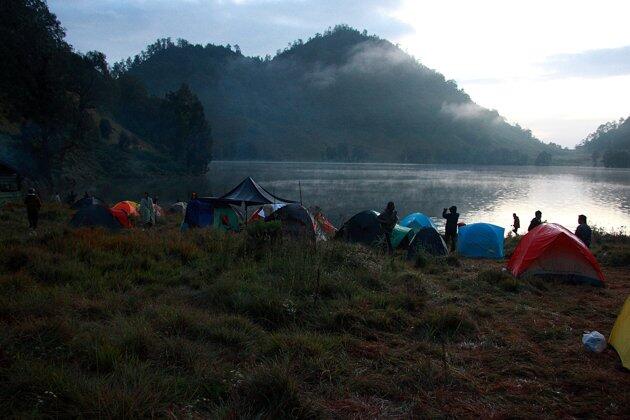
129, 207
248, 192
550, 249
620, 335
417, 221
88, 201
365, 228
296, 221
427, 240
481, 240
95, 216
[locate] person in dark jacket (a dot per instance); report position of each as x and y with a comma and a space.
33, 204
584, 231
388, 219
452, 218
536, 221
192, 212
516, 224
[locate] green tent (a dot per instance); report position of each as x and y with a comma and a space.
402, 237
226, 218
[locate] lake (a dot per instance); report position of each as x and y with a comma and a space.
481, 193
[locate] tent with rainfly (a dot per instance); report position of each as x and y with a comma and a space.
296, 221
95, 216
481, 240
417, 221
427, 240
620, 335
129, 207
365, 228
550, 249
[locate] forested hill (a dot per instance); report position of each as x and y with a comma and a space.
342, 96
65, 120
610, 144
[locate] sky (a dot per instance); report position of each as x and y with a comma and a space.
559, 68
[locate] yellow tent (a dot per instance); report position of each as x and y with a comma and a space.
620, 335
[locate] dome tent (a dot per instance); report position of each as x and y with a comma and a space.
88, 201
296, 221
427, 240
480, 240
550, 249
129, 207
365, 228
95, 216
417, 221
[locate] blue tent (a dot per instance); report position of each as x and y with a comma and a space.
417, 221
481, 240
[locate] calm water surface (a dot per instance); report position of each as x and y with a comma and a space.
482, 194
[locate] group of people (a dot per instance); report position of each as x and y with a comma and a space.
389, 218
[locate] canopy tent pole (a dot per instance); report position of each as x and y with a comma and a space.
300, 187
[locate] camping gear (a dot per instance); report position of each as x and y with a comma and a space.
249, 193
480, 240
264, 211
159, 212
594, 341
620, 335
129, 207
122, 217
95, 216
550, 249
296, 221
324, 229
417, 221
365, 228
427, 240
179, 207
88, 201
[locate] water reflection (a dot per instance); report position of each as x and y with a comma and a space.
489, 194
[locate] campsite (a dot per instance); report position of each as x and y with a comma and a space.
284, 317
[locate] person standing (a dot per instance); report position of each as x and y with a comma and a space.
147, 212
584, 231
536, 221
452, 218
516, 224
388, 219
33, 204
191, 218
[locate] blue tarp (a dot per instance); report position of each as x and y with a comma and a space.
481, 240
417, 221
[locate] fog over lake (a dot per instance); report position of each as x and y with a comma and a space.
482, 194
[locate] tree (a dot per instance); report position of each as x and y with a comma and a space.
543, 159
616, 159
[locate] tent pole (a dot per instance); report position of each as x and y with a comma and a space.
300, 187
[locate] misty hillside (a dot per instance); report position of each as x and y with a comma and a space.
610, 143
342, 96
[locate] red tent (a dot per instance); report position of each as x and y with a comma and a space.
552, 249
129, 207
122, 217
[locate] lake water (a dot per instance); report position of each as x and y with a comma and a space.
481, 193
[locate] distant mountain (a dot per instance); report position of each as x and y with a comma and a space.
342, 96
610, 143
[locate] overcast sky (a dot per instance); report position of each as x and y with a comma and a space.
559, 68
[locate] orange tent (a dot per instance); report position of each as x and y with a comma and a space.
122, 218
129, 207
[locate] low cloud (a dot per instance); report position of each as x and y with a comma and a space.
592, 64
463, 111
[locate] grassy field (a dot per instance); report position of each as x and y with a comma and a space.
204, 324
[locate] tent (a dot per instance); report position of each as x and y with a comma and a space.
248, 192
550, 249
620, 335
427, 240
296, 221
264, 211
88, 201
122, 217
481, 240
226, 218
129, 207
365, 228
417, 221
95, 216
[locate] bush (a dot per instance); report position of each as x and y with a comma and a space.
262, 234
